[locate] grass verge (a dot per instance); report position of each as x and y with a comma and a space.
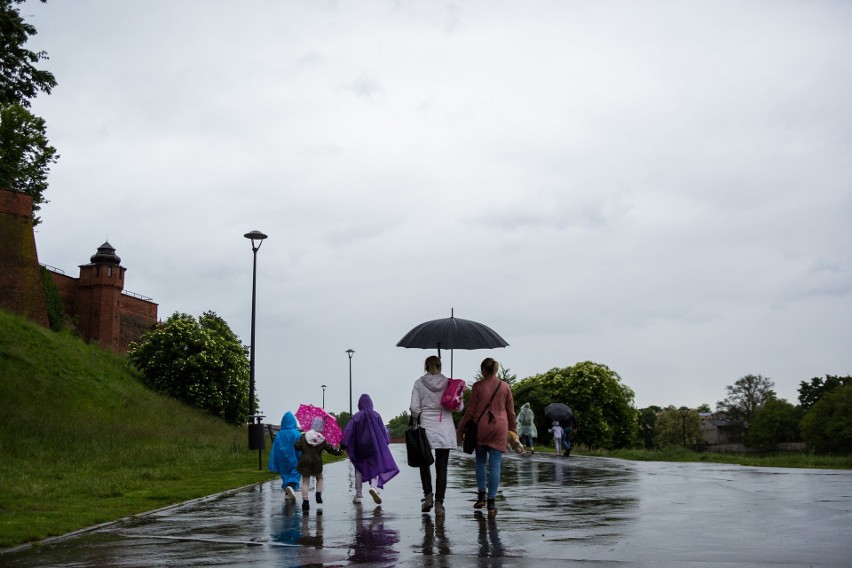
83, 441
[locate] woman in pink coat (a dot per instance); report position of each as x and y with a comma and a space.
492, 406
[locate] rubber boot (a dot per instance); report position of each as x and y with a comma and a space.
319, 496
480, 500
492, 508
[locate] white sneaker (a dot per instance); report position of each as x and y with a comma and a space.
291, 495
374, 493
357, 499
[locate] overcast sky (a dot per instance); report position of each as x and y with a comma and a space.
661, 187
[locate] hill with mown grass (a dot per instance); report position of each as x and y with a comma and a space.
83, 441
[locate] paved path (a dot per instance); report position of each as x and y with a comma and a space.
578, 511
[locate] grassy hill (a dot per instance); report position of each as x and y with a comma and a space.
82, 441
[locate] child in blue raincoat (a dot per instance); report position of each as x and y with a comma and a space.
283, 457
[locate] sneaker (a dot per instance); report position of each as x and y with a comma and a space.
319, 497
375, 495
427, 503
291, 495
306, 506
357, 498
439, 509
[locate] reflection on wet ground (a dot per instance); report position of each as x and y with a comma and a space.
553, 511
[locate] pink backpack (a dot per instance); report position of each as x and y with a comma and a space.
453, 396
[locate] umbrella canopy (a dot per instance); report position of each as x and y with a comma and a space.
306, 414
452, 333
558, 411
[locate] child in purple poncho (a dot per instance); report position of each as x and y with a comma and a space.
366, 441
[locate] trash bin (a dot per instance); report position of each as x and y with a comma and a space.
257, 436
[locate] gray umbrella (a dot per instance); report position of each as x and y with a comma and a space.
452, 333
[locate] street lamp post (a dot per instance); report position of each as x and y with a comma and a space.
323, 397
350, 352
257, 440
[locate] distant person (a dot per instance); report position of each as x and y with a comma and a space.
440, 431
568, 427
557, 431
492, 407
312, 444
283, 457
366, 441
526, 427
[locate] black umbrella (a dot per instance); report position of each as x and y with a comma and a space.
452, 333
558, 411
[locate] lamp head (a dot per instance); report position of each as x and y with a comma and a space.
350, 352
255, 236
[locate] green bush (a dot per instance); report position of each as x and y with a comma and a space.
200, 362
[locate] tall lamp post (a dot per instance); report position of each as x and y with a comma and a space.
350, 352
257, 441
323, 397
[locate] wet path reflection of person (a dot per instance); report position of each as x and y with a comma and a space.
490, 545
372, 542
435, 542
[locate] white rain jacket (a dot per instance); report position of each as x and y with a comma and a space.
437, 420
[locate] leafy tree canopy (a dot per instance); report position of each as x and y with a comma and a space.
744, 398
678, 427
827, 426
811, 392
647, 426
774, 423
20, 80
200, 362
398, 425
602, 404
25, 154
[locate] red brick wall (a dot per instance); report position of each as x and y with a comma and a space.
21, 290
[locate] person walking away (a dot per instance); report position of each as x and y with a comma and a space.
557, 431
283, 457
526, 427
366, 441
437, 421
568, 427
492, 406
312, 444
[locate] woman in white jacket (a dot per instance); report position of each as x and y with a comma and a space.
440, 430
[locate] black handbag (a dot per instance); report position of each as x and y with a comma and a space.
471, 429
417, 445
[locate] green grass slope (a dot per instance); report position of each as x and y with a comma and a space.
83, 441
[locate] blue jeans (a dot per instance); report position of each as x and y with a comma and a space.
495, 458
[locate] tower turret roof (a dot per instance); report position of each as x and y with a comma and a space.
105, 255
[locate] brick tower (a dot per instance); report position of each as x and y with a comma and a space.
98, 298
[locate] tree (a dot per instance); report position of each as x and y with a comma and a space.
744, 398
398, 425
678, 427
827, 426
810, 393
25, 154
647, 419
603, 406
20, 81
774, 423
200, 362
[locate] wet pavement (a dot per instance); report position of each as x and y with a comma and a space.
577, 511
